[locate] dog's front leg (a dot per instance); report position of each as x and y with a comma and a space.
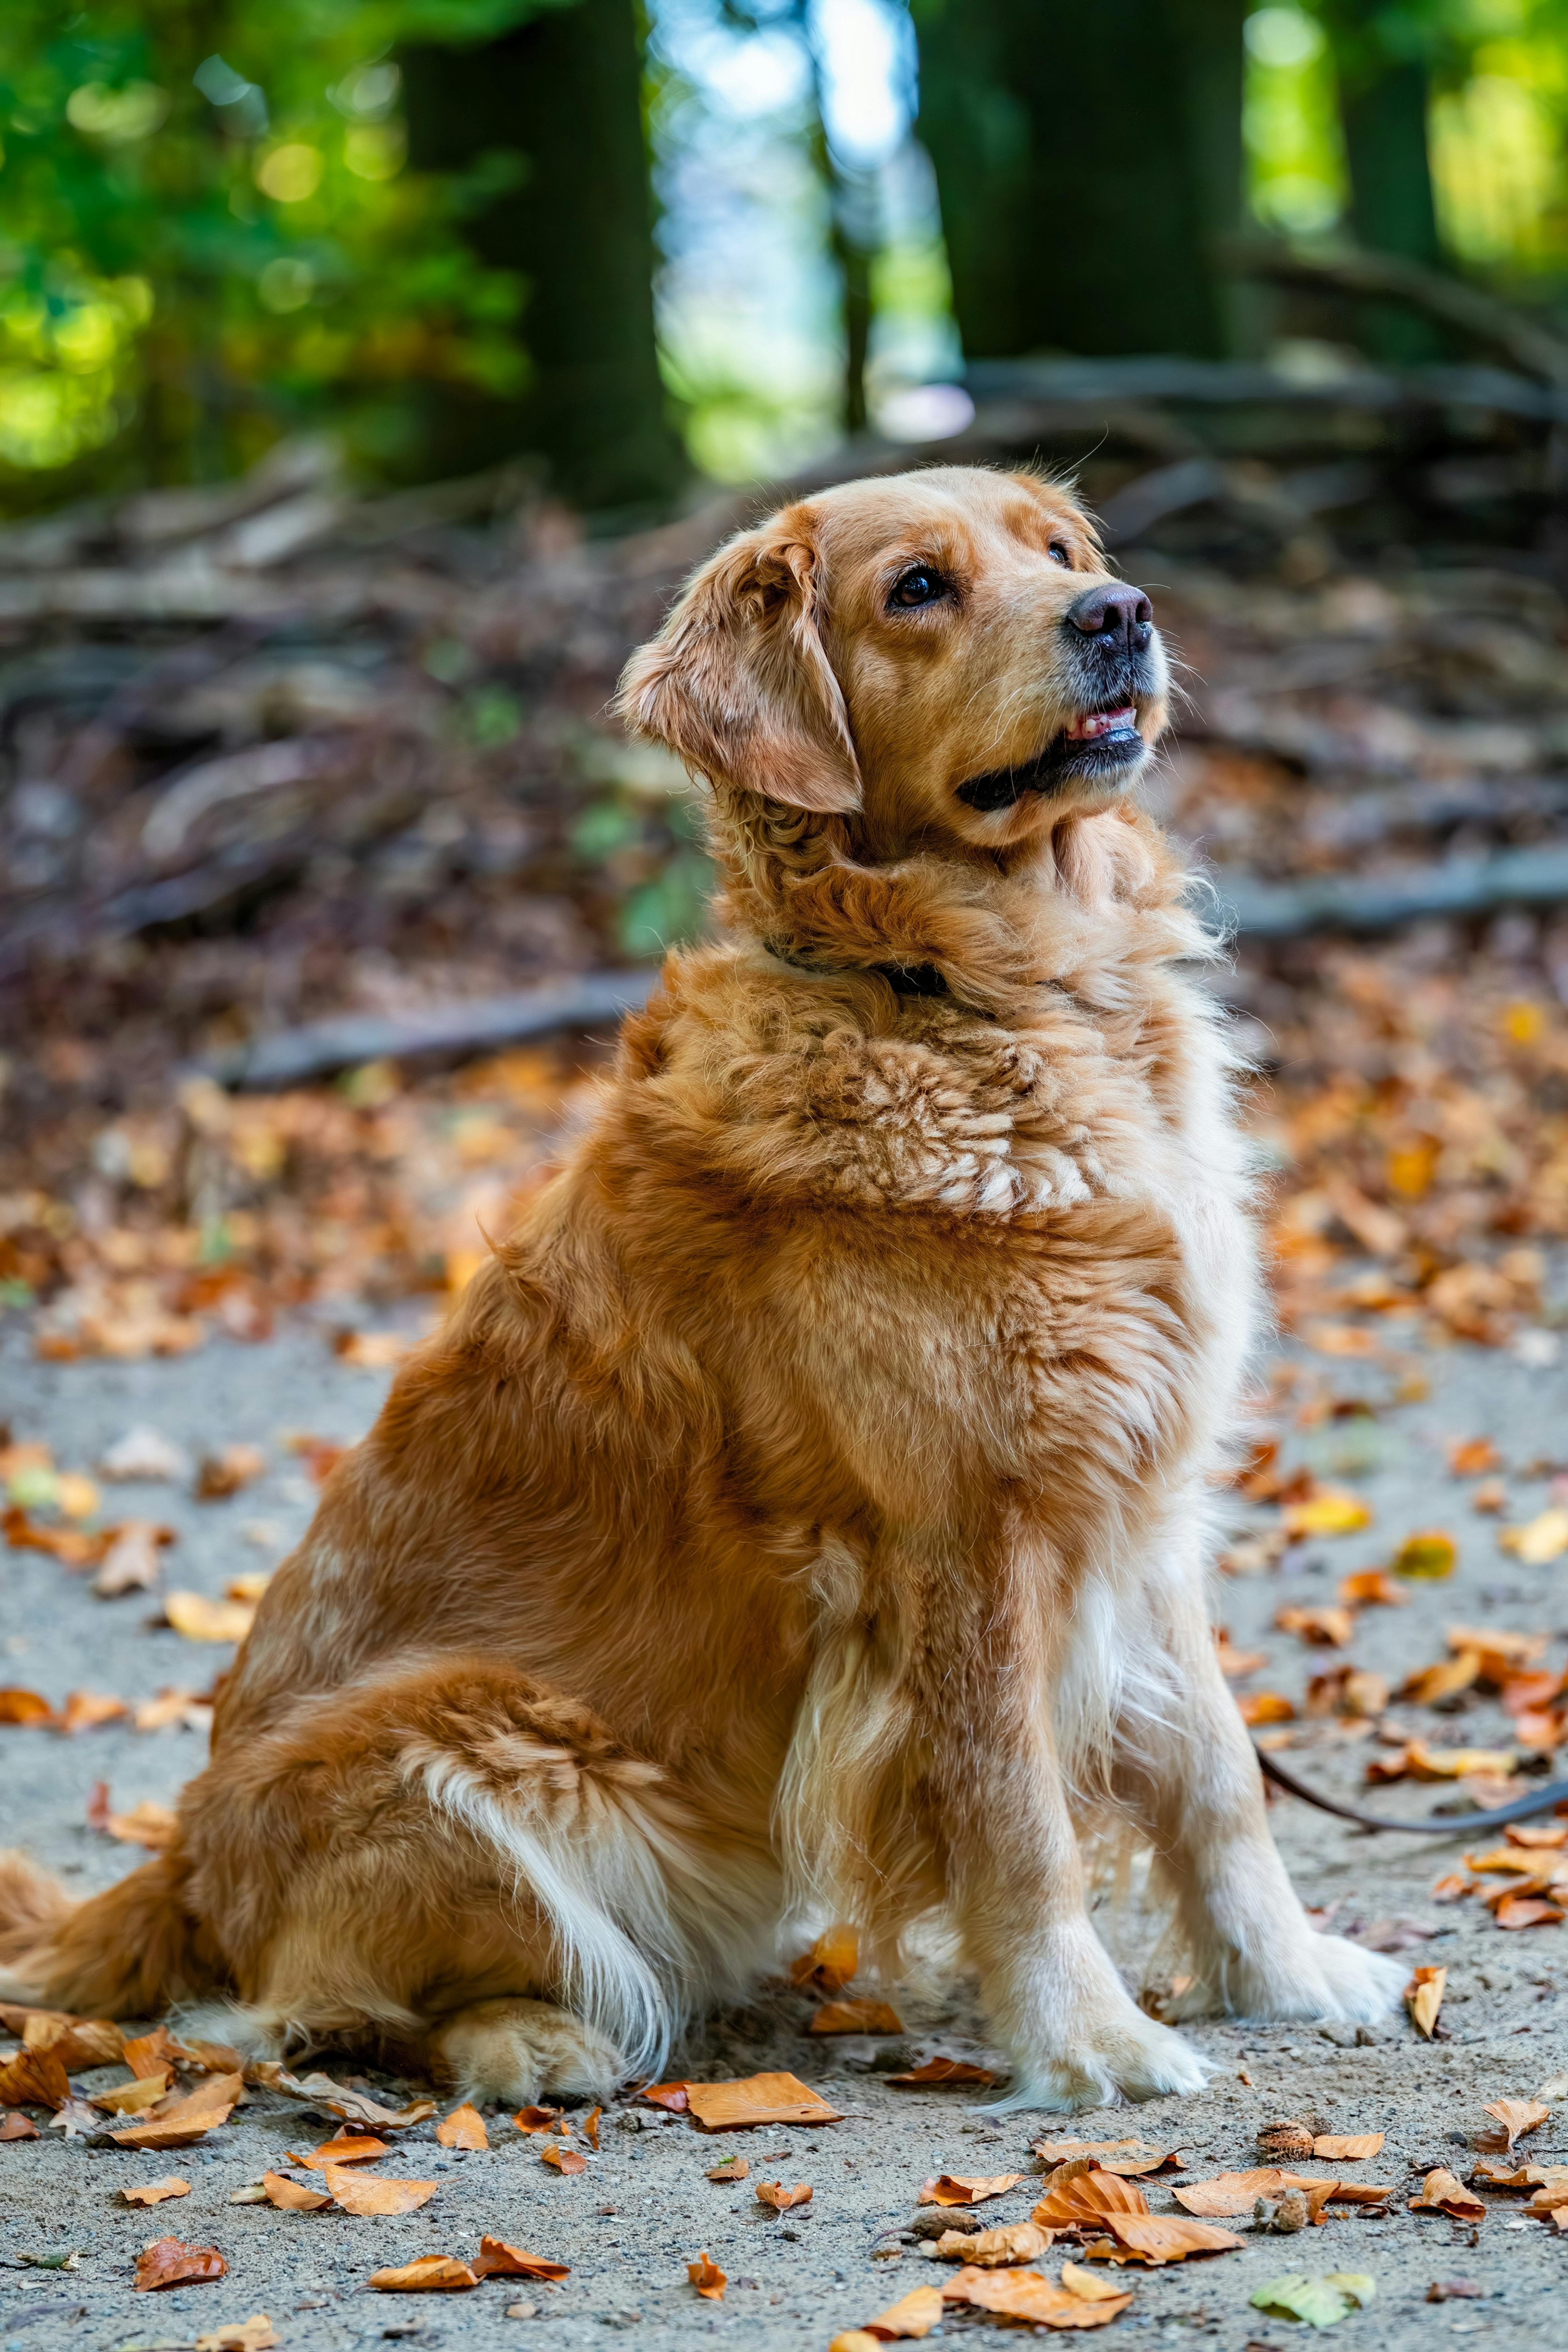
1016, 1883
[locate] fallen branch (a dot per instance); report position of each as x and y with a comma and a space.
292, 1056
1475, 886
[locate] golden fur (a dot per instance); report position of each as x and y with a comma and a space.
802, 1514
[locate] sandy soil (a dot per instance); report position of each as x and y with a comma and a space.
629, 2225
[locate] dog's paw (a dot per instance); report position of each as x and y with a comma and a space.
1129, 2057
517, 2050
1318, 1978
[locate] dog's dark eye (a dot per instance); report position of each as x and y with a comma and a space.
1060, 553
920, 586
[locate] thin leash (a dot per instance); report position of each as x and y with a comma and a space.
1551, 1793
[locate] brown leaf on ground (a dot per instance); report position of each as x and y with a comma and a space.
1019, 2242
1265, 1707
1472, 1457
292, 2196
1516, 1911
1491, 1497
25, 1707
16, 2125
1347, 2148
707, 2279
563, 2159
590, 2126
167, 2263
86, 1711
256, 2334
155, 2193
954, 2188
1424, 1998
34, 2078
349, 2106
68, 1545
1074, 2195
757, 2099
1332, 1627
671, 2097
540, 2119
1516, 2117
1451, 1886
736, 2168
224, 1472
1372, 1587
1229, 2195
1540, 1834
945, 2073
174, 1709
831, 1962
496, 2258
1417, 1762
774, 2194
74, 2117
1552, 2197
464, 2128
347, 2151
372, 2193
1352, 1691
1441, 2193
201, 1620
75, 2040
1029, 2299
132, 2098
1161, 2238
133, 1562
1443, 1680
188, 2119
1236, 1665
914, 2315
1129, 2156
427, 2274
149, 1824
855, 2017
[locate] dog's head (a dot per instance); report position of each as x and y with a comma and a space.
933, 655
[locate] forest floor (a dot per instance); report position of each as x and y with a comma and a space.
644, 2209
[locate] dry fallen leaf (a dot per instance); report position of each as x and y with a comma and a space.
224, 1472
1372, 1587
564, 2159
1133, 2157
496, 2258
153, 2192
256, 2334
1441, 2193
1516, 1911
1333, 1627
736, 2168
292, 2196
590, 2127
75, 2040
1517, 2117
912, 2315
953, 2188
1326, 1511
1075, 2194
1537, 1834
1443, 1680
1266, 1706
86, 1711
774, 2193
1424, 1997
188, 2119
1026, 2297
831, 1962
371, 2192
757, 2099
167, 2263
148, 1824
130, 2099
1017, 2241
34, 2078
1472, 1457
945, 2073
429, 2275
16, 2125
464, 2128
1430, 1555
342, 2152
855, 2017
332, 2099
1540, 1540
201, 1620
544, 2119
133, 1562
1347, 2148
25, 1707
707, 2279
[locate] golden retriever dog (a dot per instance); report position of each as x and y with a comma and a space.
802, 1515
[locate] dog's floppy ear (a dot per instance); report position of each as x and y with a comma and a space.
738, 682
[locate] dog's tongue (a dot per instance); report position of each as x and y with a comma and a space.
1102, 723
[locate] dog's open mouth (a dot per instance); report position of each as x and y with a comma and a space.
1097, 746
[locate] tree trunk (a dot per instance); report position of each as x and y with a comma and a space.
1383, 107
565, 92
1086, 166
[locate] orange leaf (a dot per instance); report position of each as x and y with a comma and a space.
1347, 2148
429, 2275
496, 2258
336, 2099
129, 2099
1527, 1911
757, 2099
1016, 2241
735, 2168
1443, 1680
17, 2126
169, 2264
1472, 1457
1026, 2297
85, 1710
153, 2192
464, 2128
292, 2196
1424, 1996
25, 1706
1372, 1587
76, 2040
1333, 1628
914, 2315
1535, 1833
34, 2078
342, 2152
590, 2126
672, 2097
1517, 2117
1266, 1706
1441, 2193
1129, 2157
155, 2052
564, 2159
706, 2278
775, 2194
188, 2119
1073, 2195
1161, 2238
372, 2193
831, 1962
1230, 2194
945, 2073
538, 2119
201, 1620
855, 2017
953, 2188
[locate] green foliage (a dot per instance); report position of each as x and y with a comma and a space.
208, 235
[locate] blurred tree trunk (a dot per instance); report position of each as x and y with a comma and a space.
1086, 167
1384, 98
564, 90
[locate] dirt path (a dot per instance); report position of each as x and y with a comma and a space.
630, 2224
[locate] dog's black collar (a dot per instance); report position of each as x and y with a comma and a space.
904, 979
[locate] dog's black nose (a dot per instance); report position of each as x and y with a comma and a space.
1118, 615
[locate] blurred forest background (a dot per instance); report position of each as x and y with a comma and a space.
371, 372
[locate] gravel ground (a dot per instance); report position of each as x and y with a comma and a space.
629, 2225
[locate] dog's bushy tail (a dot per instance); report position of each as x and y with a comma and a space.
126, 1952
